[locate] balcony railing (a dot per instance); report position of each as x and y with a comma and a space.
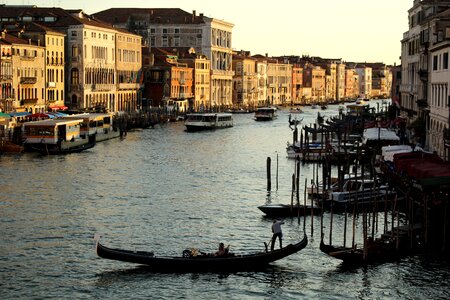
28, 80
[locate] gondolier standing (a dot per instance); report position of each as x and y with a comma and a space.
276, 229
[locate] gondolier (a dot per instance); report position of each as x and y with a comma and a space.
276, 229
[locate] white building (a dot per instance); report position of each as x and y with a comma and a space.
439, 85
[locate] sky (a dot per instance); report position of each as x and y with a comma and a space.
352, 30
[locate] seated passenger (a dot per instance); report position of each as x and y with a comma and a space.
222, 250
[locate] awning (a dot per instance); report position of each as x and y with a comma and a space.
58, 107
19, 114
3, 115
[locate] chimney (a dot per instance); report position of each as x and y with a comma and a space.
201, 15
193, 16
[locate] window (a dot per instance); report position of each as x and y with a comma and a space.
165, 30
435, 62
74, 79
177, 30
445, 61
74, 34
74, 51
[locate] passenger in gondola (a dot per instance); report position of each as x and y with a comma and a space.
222, 251
276, 229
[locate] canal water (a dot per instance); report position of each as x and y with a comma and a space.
165, 190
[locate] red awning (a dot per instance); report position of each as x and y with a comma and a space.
58, 107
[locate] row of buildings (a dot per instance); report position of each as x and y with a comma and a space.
423, 80
125, 59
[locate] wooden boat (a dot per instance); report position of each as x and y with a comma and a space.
208, 121
376, 251
286, 210
346, 254
201, 262
10, 147
265, 114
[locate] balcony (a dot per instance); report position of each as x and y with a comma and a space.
128, 86
30, 101
28, 80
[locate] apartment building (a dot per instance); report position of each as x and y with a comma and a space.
171, 81
279, 82
129, 70
53, 41
202, 79
245, 81
6, 74
439, 86
365, 80
175, 28
28, 80
351, 83
297, 85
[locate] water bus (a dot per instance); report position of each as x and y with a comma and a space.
266, 113
55, 136
208, 121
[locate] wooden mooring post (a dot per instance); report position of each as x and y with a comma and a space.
269, 183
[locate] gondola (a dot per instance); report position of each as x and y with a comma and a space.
286, 210
200, 262
377, 251
346, 254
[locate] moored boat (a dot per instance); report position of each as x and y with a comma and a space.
266, 113
55, 136
96, 125
286, 210
208, 121
195, 261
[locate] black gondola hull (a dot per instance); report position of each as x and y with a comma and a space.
200, 262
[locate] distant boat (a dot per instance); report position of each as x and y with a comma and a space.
266, 113
324, 106
296, 110
208, 121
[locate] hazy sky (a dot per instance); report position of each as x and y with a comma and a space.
354, 30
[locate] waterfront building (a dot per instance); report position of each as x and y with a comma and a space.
297, 85
439, 85
381, 80
244, 80
171, 81
279, 82
314, 78
53, 41
261, 77
175, 28
28, 80
365, 80
6, 75
340, 81
416, 64
90, 75
351, 83
202, 78
128, 64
